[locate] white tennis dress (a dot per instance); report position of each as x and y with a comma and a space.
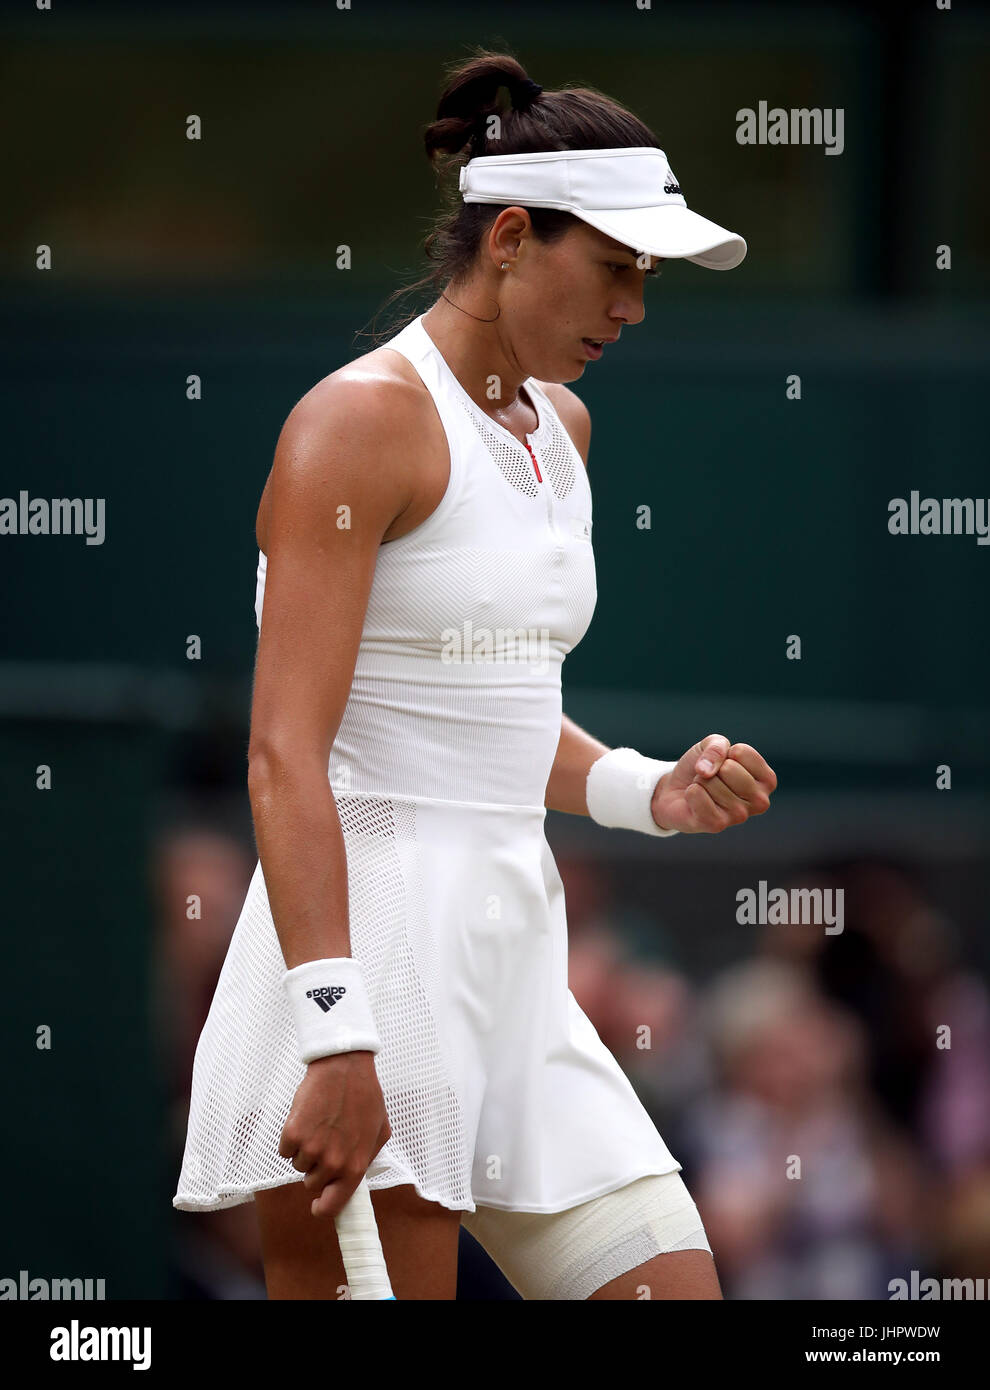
498, 1089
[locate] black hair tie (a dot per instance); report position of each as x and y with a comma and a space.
528, 90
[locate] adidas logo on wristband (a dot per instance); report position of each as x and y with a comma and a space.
326, 996
345, 1022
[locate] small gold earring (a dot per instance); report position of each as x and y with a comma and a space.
505, 265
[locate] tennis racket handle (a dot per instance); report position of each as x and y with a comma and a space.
360, 1247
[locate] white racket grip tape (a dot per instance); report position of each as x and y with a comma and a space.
361, 1249
619, 790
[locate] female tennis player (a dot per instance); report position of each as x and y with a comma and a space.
394, 999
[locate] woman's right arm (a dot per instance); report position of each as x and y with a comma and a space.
343, 470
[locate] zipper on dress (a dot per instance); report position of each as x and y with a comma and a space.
535, 464
546, 492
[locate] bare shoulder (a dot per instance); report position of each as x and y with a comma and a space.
381, 391
368, 425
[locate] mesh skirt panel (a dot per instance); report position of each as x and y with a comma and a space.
247, 1071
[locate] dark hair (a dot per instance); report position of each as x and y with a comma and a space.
529, 119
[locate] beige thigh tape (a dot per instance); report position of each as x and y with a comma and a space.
569, 1254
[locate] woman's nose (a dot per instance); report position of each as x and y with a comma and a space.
629, 310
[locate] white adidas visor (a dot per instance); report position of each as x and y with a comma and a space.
630, 194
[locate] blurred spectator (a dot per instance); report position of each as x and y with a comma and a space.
193, 863
642, 1009
201, 875
959, 1235
954, 1108
895, 966
806, 1190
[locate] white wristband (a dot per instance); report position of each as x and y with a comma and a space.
620, 789
330, 1008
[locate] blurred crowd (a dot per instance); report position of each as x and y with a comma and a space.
828, 1096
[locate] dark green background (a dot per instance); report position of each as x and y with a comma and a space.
769, 516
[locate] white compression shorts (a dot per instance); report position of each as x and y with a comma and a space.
570, 1254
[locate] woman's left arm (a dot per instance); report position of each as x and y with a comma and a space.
714, 785
576, 751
